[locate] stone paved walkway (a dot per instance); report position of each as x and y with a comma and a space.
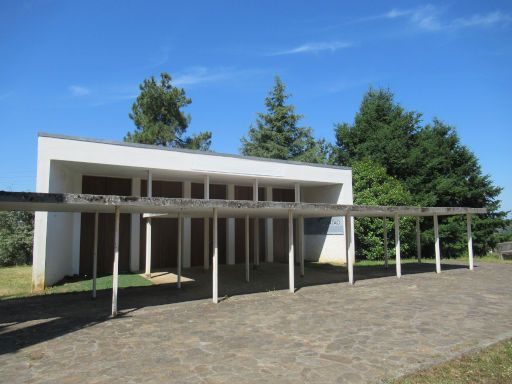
380, 328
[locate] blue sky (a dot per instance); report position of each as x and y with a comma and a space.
73, 67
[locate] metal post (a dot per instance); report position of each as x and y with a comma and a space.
437, 245
95, 255
180, 225
291, 261
386, 256
418, 239
247, 248
470, 242
397, 247
115, 272
215, 260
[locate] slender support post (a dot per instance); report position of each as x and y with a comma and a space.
470, 242
386, 255
269, 231
247, 248
418, 239
301, 245
180, 226
256, 227
291, 261
215, 260
148, 227
115, 273
206, 227
397, 247
95, 255
348, 240
437, 244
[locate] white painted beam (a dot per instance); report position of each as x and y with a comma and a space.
215, 261
135, 231
247, 253
397, 247
437, 245
385, 235
269, 231
148, 227
230, 229
179, 253
470, 242
115, 272
291, 258
95, 255
206, 227
187, 228
348, 240
301, 244
418, 239
256, 227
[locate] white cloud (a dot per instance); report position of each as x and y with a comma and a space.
78, 90
317, 47
203, 75
428, 18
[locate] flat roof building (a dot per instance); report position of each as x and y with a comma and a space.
64, 241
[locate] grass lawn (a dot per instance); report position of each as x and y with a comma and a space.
490, 365
16, 282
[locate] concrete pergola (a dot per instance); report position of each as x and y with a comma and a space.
154, 207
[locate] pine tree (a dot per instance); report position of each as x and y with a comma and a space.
159, 119
277, 135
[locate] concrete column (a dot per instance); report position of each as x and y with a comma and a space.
301, 245
187, 193
115, 273
148, 227
291, 259
269, 231
180, 248
418, 239
256, 227
135, 231
95, 255
296, 188
77, 223
437, 244
206, 227
230, 230
215, 261
470, 241
397, 247
247, 253
348, 241
386, 256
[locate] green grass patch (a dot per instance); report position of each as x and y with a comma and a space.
16, 282
490, 365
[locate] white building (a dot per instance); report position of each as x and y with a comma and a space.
64, 241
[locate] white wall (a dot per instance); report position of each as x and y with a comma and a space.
327, 248
57, 235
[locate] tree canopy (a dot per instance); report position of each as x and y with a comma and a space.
159, 119
16, 237
276, 133
430, 162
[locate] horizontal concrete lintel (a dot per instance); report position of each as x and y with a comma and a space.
66, 202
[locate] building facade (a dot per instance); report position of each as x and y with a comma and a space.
63, 241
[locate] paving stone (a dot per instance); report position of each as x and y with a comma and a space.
326, 332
